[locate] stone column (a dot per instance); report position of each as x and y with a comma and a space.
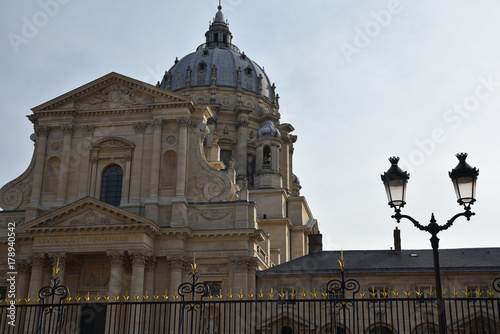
138, 265
23, 281
93, 176
62, 184
149, 277
126, 180
285, 164
37, 268
42, 133
154, 178
116, 258
241, 149
180, 189
177, 265
83, 150
179, 203
240, 274
135, 182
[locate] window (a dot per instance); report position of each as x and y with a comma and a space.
286, 330
225, 157
111, 185
380, 330
267, 157
215, 287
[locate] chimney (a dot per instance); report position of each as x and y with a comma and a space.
397, 240
315, 242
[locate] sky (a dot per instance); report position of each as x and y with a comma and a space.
359, 80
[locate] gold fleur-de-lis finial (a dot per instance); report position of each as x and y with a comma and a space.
165, 296
56, 269
241, 295
455, 292
194, 266
395, 292
27, 300
362, 294
467, 292
251, 294
260, 295
314, 294
407, 292
156, 296
431, 293
341, 261
272, 294
293, 294
303, 294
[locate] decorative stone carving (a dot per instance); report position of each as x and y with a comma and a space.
37, 261
138, 257
240, 264
183, 122
242, 123
170, 140
140, 127
177, 263
115, 96
151, 263
157, 124
208, 186
55, 147
23, 266
90, 219
42, 131
88, 130
116, 258
218, 214
12, 198
212, 120
68, 129
96, 278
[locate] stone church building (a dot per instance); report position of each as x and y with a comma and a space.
130, 181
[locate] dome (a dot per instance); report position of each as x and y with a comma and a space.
295, 179
218, 63
268, 131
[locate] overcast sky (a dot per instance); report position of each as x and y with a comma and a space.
359, 80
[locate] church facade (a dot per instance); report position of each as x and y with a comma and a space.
130, 181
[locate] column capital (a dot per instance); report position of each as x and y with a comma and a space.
116, 257
23, 266
243, 264
38, 260
68, 129
177, 263
138, 257
212, 120
41, 130
183, 122
242, 123
140, 127
157, 124
151, 263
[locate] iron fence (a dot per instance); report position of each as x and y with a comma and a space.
373, 316
194, 309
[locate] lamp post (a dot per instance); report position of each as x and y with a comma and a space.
464, 179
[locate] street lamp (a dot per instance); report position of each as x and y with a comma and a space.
464, 179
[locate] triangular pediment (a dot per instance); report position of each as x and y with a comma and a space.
89, 213
113, 91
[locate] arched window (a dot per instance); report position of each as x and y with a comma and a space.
111, 185
286, 330
267, 156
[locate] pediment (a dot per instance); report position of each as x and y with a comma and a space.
112, 91
89, 213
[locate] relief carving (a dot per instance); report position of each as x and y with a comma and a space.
217, 214
98, 277
115, 96
90, 219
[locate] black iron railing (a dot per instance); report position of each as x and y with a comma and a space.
339, 308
